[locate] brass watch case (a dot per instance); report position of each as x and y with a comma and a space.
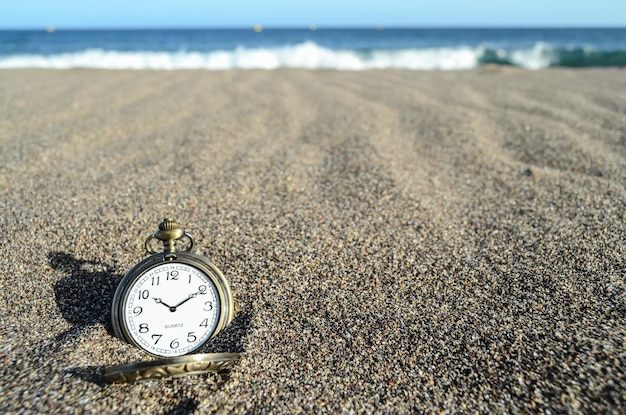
187, 258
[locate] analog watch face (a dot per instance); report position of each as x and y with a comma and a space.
171, 309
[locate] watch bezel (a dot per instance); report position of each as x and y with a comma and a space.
187, 258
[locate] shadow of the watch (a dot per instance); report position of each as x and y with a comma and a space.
184, 407
84, 296
91, 374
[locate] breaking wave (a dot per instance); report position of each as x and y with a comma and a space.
309, 55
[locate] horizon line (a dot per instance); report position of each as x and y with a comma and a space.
314, 27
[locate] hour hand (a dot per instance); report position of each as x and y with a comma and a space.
159, 301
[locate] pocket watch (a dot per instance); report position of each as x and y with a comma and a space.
170, 305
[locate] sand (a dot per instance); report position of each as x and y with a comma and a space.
396, 241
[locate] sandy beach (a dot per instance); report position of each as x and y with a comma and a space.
396, 241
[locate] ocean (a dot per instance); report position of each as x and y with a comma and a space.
340, 49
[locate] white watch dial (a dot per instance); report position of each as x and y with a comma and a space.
171, 309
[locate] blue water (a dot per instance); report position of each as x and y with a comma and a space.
342, 49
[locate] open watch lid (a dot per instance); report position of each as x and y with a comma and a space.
173, 367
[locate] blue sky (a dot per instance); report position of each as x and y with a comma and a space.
294, 13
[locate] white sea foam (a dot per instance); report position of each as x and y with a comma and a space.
539, 56
305, 55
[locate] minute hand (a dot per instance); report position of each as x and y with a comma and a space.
186, 299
